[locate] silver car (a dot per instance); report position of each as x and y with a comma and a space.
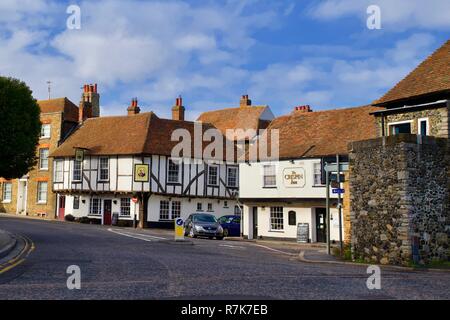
203, 225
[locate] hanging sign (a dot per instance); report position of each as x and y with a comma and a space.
141, 173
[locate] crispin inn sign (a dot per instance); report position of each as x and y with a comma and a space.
294, 177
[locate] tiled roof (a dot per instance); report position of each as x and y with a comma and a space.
432, 75
143, 133
323, 133
60, 105
247, 117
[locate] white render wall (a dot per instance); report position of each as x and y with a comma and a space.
303, 215
189, 207
251, 181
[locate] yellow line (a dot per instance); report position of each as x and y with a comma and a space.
28, 248
12, 266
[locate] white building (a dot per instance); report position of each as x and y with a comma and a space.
279, 195
128, 157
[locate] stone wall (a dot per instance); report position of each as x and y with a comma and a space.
399, 199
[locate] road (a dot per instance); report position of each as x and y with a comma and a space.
135, 266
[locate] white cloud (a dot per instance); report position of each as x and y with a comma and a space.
330, 82
395, 15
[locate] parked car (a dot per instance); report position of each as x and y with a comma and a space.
203, 225
231, 225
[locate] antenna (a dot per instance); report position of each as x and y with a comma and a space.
49, 88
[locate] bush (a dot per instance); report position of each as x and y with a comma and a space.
69, 217
124, 223
84, 220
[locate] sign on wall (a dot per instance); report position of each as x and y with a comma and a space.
141, 173
294, 177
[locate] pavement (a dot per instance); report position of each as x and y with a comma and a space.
122, 263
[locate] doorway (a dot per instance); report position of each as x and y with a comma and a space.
321, 227
107, 212
61, 207
22, 187
255, 222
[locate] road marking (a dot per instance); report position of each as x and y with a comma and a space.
272, 249
230, 246
21, 257
128, 235
139, 234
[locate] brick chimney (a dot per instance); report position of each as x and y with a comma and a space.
133, 108
245, 101
90, 95
178, 109
305, 108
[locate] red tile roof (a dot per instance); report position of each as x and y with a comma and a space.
432, 75
138, 134
64, 105
247, 117
323, 133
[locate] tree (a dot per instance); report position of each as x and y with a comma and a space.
20, 128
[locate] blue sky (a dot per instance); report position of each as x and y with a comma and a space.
281, 53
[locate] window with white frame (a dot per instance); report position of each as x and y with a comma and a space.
173, 172
210, 207
164, 210
43, 159
270, 178
45, 131
276, 218
213, 177
76, 170
423, 127
199, 206
95, 206
232, 176
104, 169
7, 192
399, 127
59, 167
125, 206
42, 192
76, 202
176, 209
317, 174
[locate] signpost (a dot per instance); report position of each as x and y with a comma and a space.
179, 229
135, 200
334, 177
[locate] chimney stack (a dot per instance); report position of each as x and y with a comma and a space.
305, 108
245, 101
178, 109
91, 95
133, 108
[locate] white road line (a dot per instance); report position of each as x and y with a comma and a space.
139, 234
230, 246
272, 249
128, 235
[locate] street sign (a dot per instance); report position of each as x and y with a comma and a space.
334, 168
338, 191
179, 229
134, 199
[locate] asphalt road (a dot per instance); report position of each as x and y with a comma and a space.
135, 266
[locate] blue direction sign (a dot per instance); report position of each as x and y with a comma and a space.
338, 191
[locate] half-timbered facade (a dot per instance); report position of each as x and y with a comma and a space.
128, 157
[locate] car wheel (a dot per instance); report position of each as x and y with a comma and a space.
191, 233
225, 232
219, 238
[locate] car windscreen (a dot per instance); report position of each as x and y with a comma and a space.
204, 218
